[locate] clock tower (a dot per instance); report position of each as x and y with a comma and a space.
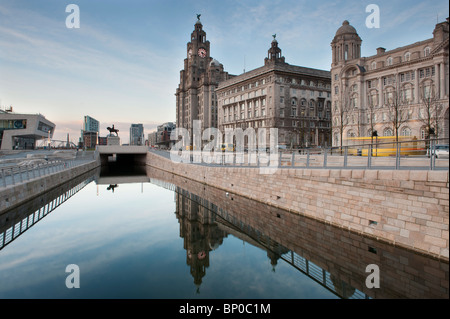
195, 95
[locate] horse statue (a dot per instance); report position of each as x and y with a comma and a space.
112, 130
111, 187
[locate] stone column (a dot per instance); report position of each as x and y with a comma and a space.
443, 92
416, 87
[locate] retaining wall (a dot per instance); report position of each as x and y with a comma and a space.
14, 195
403, 207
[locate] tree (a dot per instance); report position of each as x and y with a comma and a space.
342, 109
431, 113
371, 112
397, 107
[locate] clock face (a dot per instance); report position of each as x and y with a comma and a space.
202, 53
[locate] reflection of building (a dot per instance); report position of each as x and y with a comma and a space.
137, 134
367, 91
293, 99
200, 232
21, 131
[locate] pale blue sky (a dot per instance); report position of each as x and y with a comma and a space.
122, 65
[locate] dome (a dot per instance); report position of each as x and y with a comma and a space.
346, 28
214, 62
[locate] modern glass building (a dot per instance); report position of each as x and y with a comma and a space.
137, 134
21, 131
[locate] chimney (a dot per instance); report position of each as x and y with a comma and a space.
380, 50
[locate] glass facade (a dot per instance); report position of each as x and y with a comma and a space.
13, 124
44, 127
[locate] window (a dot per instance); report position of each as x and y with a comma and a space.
423, 133
374, 65
426, 51
294, 111
389, 61
407, 56
406, 131
388, 132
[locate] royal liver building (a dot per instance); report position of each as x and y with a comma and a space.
195, 96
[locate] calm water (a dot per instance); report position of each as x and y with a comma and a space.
153, 239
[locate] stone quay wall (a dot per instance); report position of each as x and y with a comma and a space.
14, 195
406, 208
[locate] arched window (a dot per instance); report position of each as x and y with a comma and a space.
293, 101
389, 61
426, 51
407, 57
388, 132
374, 65
406, 131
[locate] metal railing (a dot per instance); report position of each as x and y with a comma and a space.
405, 154
15, 174
19, 227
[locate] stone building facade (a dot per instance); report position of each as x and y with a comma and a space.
409, 83
195, 95
295, 100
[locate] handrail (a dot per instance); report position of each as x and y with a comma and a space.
14, 174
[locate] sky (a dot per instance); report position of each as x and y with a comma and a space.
122, 65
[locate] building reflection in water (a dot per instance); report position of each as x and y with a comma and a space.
203, 226
333, 257
200, 232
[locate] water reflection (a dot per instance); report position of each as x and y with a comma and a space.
145, 258
15, 222
333, 257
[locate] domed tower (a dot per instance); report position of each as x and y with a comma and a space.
274, 53
346, 44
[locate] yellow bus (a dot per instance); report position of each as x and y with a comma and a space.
385, 146
227, 147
